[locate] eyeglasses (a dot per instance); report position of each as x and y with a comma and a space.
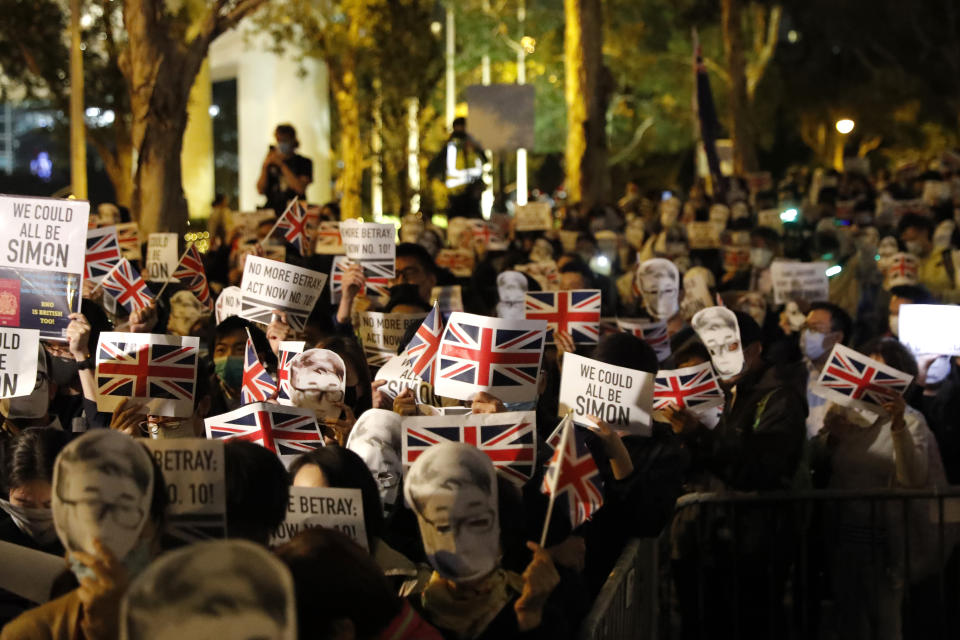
153, 428
125, 516
387, 480
474, 524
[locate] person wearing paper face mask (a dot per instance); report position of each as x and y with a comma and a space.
452, 487
108, 502
25, 515
891, 447
285, 174
826, 325
659, 284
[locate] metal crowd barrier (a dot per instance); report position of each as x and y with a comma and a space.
626, 606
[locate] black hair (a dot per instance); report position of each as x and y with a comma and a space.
692, 348
626, 350
260, 342
344, 469
577, 265
459, 122
257, 488
894, 354
768, 235
915, 221
30, 456
839, 319
287, 129
418, 253
749, 329
917, 293
406, 294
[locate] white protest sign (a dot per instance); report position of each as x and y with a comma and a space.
269, 286
193, 469
162, 257
18, 361
228, 303
621, 397
399, 375
930, 328
381, 333
805, 280
246, 223
327, 507
368, 240
449, 298
27, 572
534, 216
703, 235
42, 264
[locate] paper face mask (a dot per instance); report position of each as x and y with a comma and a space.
796, 318
720, 332
452, 487
720, 215
375, 437
659, 283
542, 251
318, 381
512, 286
103, 486
739, 211
754, 305
216, 589
669, 212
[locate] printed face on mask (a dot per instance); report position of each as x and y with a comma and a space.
719, 331
318, 382
103, 486
542, 251
659, 282
376, 439
754, 305
452, 489
795, 317
512, 286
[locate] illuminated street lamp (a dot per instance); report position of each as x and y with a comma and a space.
845, 125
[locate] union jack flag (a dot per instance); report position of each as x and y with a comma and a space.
103, 252
460, 262
378, 274
287, 351
340, 264
687, 388
478, 353
852, 379
902, 268
653, 333
258, 384
574, 312
284, 430
125, 285
572, 475
128, 236
421, 353
191, 273
293, 224
508, 439
146, 366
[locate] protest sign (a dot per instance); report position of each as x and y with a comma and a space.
500, 357
368, 240
162, 257
545, 273
851, 379
653, 333
158, 371
703, 235
621, 397
269, 286
193, 469
27, 572
448, 299
576, 313
381, 333
399, 375
534, 216
770, 218
308, 507
18, 361
327, 239
246, 223
804, 280
128, 235
42, 265
694, 388
459, 262
228, 303
930, 329
459, 235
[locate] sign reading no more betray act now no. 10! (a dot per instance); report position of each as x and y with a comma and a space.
269, 286
42, 248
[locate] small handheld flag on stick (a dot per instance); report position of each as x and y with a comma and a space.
258, 384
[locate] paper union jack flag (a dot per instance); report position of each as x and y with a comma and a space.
574, 312
128, 235
139, 370
902, 269
287, 351
508, 439
293, 224
422, 350
258, 385
572, 475
125, 285
852, 378
479, 353
103, 252
688, 388
653, 333
283, 430
190, 272
378, 274
340, 264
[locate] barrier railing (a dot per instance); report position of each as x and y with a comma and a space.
626, 606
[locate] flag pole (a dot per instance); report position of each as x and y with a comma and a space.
561, 451
185, 251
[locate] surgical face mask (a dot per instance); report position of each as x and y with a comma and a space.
938, 370
895, 325
230, 371
813, 344
760, 257
285, 147
915, 247
35, 522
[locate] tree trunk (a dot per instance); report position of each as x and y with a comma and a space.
586, 151
744, 150
344, 82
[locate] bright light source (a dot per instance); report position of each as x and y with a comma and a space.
789, 215
436, 27
600, 264
529, 44
86, 21
845, 125
834, 270
877, 257
108, 117
793, 36
92, 112
214, 110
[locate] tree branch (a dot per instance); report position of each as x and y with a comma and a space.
756, 70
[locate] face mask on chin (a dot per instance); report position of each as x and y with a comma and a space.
35, 522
